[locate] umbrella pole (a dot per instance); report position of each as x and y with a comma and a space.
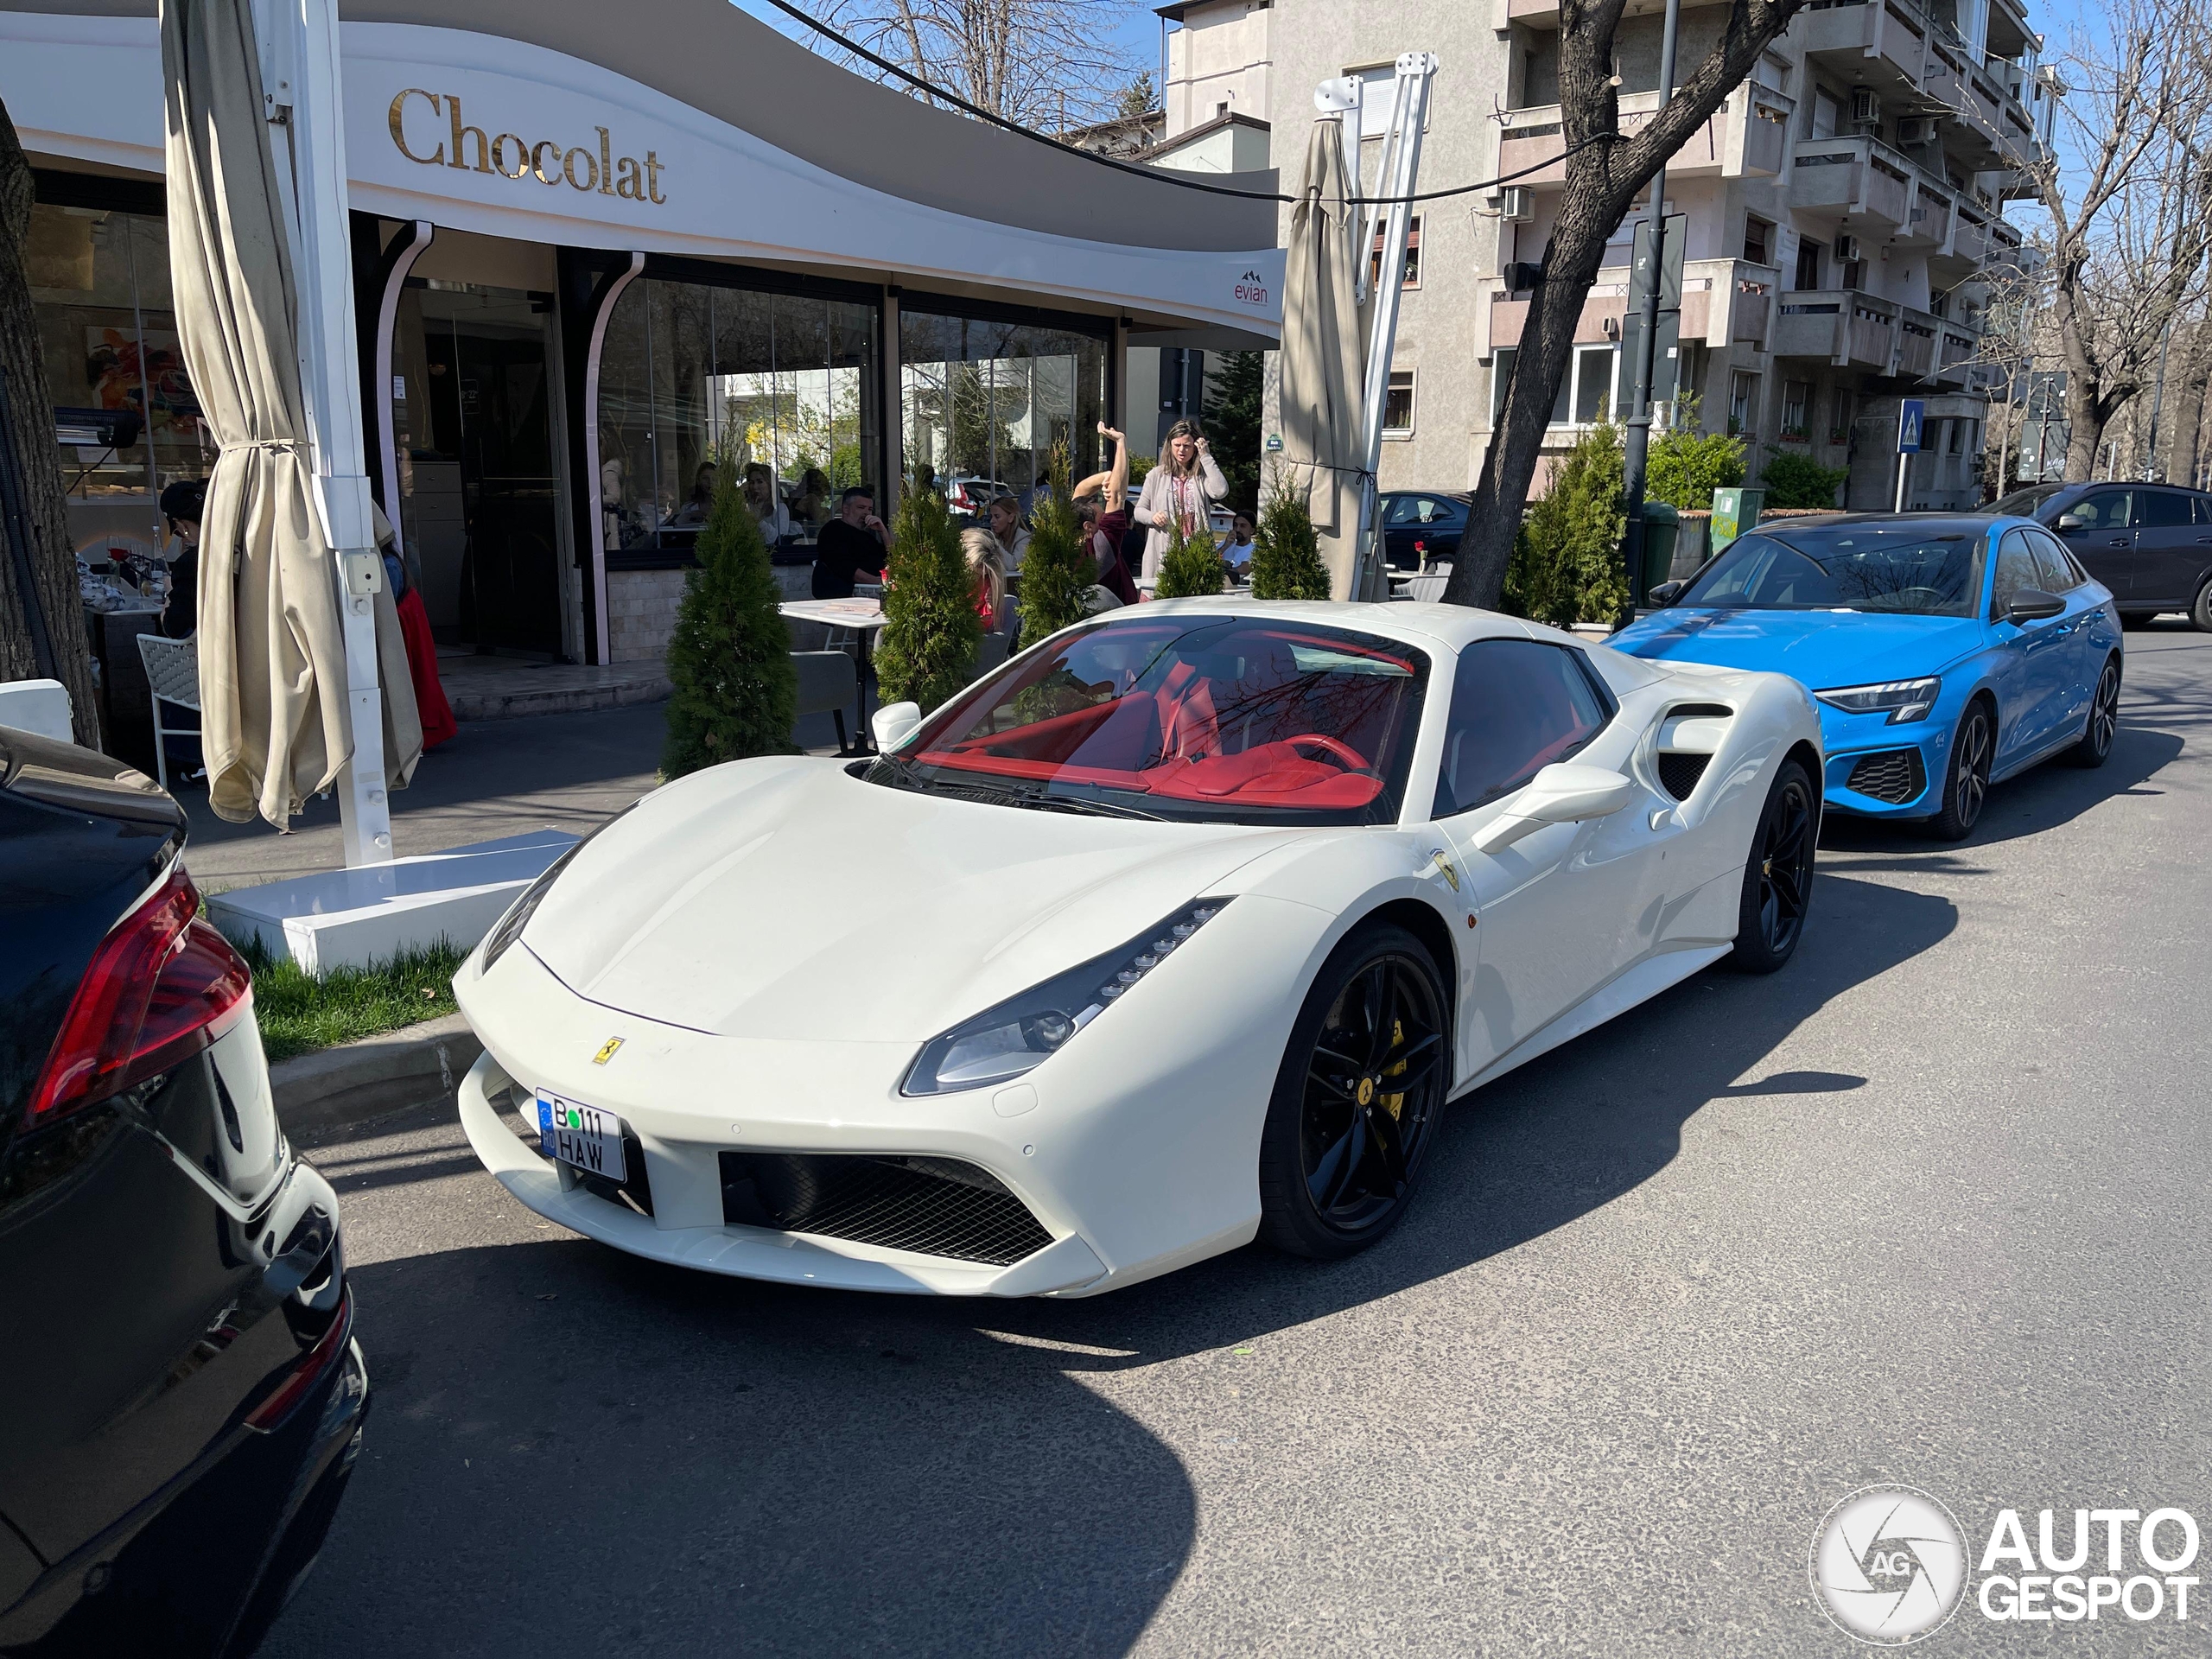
299, 55
1402, 166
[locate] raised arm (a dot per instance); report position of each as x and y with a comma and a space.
1216, 487
1117, 477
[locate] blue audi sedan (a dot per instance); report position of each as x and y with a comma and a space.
1947, 652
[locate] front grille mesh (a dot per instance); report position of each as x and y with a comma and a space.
1678, 773
1894, 775
933, 1206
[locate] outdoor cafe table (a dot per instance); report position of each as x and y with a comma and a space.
865, 617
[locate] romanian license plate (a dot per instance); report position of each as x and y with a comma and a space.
582, 1137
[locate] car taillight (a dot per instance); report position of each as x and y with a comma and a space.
317, 1360
161, 987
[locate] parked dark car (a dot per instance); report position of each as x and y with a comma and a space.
2150, 543
182, 1394
1420, 524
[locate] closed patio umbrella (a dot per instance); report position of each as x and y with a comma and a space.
1324, 361
273, 684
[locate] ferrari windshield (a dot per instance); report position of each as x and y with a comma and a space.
1932, 571
1236, 720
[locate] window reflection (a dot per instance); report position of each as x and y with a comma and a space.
983, 403
686, 369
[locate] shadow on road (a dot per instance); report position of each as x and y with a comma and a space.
576, 1450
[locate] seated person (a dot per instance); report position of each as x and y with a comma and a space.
694, 510
765, 501
852, 547
182, 505
1237, 554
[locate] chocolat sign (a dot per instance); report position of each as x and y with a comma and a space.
443, 137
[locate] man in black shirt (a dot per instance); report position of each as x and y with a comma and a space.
851, 548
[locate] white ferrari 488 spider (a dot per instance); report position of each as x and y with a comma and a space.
1178, 929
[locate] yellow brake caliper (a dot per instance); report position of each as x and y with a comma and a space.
1395, 1103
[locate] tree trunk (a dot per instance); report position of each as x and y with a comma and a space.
2184, 412
1606, 172
53, 600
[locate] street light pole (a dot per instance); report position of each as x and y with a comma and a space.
1648, 282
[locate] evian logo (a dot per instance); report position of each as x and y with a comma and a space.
1252, 289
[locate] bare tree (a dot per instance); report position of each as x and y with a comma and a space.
41, 630
2131, 223
1046, 63
1606, 171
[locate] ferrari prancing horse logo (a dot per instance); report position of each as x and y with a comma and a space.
606, 1050
1444, 868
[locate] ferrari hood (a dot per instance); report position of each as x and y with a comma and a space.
1818, 648
787, 898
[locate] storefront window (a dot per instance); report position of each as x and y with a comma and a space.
988, 401
100, 281
685, 369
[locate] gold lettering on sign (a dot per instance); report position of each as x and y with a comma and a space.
510, 156
436, 158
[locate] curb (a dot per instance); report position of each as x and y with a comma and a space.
561, 700
373, 1077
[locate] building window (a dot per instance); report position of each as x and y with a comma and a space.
1758, 239
1796, 408
786, 380
992, 400
1398, 404
1594, 383
1840, 416
1743, 404
1500, 376
1378, 94
1809, 263
1412, 255
1954, 441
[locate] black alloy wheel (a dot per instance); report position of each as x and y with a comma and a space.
1356, 1102
2103, 724
1966, 781
1778, 876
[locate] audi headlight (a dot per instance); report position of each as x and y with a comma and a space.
1903, 700
509, 927
999, 1043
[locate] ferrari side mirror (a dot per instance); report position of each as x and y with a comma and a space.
894, 725
1565, 793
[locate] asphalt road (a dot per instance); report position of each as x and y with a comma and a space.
1929, 1206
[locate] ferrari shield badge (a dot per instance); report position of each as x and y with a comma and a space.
606, 1050
1444, 868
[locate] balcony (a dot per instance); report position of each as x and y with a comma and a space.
1928, 221
1956, 347
1858, 179
1916, 336
1839, 328
1746, 138
1871, 42
1724, 301
1967, 250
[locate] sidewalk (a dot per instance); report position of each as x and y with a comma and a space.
497, 777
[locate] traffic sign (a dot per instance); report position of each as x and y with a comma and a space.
1912, 415
1670, 274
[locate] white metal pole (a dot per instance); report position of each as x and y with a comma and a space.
1409, 114
299, 43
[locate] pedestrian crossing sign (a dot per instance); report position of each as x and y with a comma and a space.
1912, 413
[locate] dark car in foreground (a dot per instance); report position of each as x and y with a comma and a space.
182, 1394
1420, 524
2150, 543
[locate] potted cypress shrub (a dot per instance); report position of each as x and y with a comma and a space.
1286, 553
730, 659
927, 650
1566, 566
1058, 571
1190, 567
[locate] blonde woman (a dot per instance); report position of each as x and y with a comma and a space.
1184, 484
987, 567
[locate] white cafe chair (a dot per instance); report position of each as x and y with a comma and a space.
173, 671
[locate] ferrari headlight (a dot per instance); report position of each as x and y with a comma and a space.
999, 1043
509, 927
1903, 700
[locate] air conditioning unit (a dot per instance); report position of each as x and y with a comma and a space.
1865, 108
1847, 248
1518, 202
1919, 129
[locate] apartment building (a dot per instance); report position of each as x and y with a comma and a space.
1841, 207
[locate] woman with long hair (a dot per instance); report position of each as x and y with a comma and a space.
1181, 488
987, 567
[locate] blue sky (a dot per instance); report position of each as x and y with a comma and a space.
1138, 34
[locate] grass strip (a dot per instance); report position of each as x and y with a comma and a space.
300, 1013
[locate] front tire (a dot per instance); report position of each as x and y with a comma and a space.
2200, 609
1966, 780
1778, 875
1357, 1100
2103, 724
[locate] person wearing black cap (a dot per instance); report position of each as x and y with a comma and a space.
182, 505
